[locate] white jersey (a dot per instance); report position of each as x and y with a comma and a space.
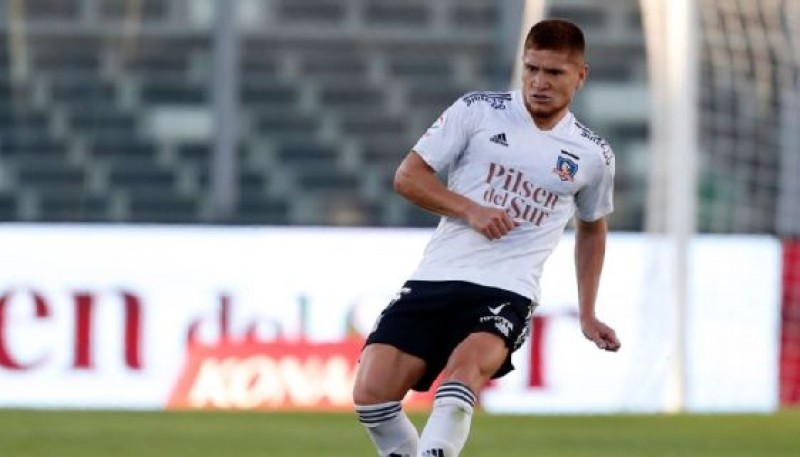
495, 155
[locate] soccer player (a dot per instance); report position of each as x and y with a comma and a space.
519, 166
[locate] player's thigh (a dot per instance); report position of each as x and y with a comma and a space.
476, 359
385, 373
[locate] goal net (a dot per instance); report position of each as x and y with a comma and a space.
749, 116
749, 132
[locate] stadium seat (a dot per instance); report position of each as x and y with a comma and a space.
324, 181
173, 91
107, 145
316, 11
385, 153
198, 154
433, 99
100, 119
256, 209
50, 175
31, 142
82, 87
151, 10
255, 62
16, 122
154, 205
73, 206
352, 97
269, 94
475, 15
49, 10
8, 207
289, 126
140, 176
383, 13
76, 55
590, 17
161, 65
421, 68
334, 65
303, 154
252, 183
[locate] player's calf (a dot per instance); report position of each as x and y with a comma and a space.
448, 425
389, 428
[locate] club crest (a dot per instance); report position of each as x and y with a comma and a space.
565, 169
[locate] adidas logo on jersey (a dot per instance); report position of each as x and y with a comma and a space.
433, 453
500, 139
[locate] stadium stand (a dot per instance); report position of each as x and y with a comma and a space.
333, 94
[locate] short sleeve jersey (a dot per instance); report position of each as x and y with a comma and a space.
494, 154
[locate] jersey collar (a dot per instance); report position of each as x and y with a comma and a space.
564, 123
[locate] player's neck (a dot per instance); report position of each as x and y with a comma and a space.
548, 122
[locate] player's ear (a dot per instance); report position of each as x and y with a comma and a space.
584, 73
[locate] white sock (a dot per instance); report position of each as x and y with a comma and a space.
390, 429
448, 425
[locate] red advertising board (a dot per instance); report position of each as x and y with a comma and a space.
281, 375
790, 325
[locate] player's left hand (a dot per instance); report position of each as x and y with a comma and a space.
600, 334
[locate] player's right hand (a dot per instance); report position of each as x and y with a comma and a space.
493, 223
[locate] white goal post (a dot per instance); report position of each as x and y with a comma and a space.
670, 29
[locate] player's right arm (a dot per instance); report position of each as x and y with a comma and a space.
416, 181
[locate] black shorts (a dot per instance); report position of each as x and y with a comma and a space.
428, 319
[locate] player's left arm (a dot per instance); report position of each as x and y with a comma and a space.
590, 248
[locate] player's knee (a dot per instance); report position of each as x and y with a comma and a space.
467, 374
475, 361
467, 370
370, 389
365, 393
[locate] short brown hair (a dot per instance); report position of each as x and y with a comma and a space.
556, 35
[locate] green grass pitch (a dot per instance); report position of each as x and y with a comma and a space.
229, 434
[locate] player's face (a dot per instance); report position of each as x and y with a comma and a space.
549, 81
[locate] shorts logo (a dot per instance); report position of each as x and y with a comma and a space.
504, 326
501, 323
496, 310
433, 453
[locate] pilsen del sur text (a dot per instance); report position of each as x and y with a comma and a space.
521, 198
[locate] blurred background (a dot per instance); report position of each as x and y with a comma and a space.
113, 109
288, 114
